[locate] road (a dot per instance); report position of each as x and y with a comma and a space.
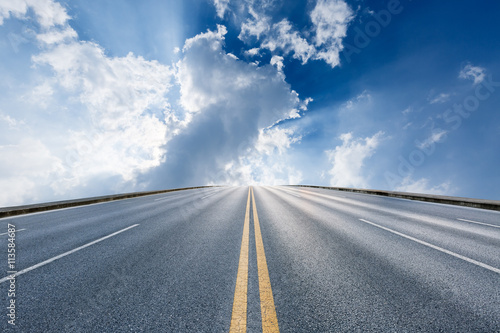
267, 259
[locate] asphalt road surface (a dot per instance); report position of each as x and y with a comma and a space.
272, 258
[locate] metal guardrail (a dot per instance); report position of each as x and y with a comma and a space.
458, 201
26, 209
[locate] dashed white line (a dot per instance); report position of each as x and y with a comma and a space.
5, 233
487, 224
456, 255
48, 261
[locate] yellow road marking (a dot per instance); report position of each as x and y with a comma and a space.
267, 308
268, 311
239, 316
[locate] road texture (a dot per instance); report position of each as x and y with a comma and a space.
260, 259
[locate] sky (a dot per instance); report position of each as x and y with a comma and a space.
102, 97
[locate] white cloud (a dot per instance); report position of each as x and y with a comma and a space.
235, 108
422, 186
122, 98
436, 136
330, 19
348, 160
267, 162
48, 13
285, 38
278, 62
275, 140
111, 123
474, 73
408, 110
257, 25
252, 52
363, 97
441, 98
25, 167
208, 76
41, 95
109, 116
221, 7
11, 122
214, 38
14, 8
55, 36
261, 169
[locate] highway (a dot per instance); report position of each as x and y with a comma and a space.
259, 259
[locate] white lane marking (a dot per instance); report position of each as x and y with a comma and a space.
459, 256
489, 225
391, 211
5, 233
48, 261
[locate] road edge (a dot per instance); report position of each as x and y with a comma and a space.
41, 207
457, 201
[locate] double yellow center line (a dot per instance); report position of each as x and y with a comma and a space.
268, 311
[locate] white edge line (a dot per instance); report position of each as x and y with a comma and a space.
489, 225
5, 233
48, 261
472, 261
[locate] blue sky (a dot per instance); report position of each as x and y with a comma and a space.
101, 97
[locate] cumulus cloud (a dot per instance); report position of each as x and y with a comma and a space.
267, 162
113, 112
278, 62
109, 125
48, 13
123, 98
474, 73
26, 166
57, 36
285, 38
329, 22
235, 106
348, 160
275, 140
256, 25
221, 7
